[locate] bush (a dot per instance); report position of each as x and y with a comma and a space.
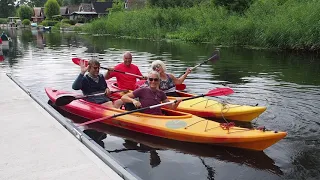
3, 20
68, 21
48, 23
26, 22
57, 18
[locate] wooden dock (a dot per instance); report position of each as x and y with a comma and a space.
34, 145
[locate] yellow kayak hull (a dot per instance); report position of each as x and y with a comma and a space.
209, 108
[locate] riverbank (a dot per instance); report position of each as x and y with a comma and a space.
267, 24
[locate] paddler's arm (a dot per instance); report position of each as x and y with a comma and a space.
182, 78
107, 74
129, 98
174, 105
77, 84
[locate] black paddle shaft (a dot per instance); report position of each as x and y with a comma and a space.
214, 57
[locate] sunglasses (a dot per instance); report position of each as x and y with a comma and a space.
154, 79
156, 67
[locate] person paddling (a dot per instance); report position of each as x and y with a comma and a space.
125, 81
94, 82
149, 96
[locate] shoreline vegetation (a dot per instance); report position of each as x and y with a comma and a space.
281, 24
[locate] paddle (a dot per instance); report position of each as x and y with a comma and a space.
213, 58
66, 99
214, 92
179, 87
77, 61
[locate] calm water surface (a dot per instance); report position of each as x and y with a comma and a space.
288, 84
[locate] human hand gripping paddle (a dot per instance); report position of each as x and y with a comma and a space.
214, 92
68, 98
139, 83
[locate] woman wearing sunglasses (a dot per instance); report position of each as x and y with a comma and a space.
167, 80
93, 82
149, 96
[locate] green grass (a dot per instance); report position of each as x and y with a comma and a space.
291, 24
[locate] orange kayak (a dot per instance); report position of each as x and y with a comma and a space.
175, 125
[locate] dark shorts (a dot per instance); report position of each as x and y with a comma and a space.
97, 99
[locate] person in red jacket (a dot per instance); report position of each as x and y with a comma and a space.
125, 81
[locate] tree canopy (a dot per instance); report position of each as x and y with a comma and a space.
25, 12
6, 8
51, 8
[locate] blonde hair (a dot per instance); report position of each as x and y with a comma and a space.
158, 62
154, 73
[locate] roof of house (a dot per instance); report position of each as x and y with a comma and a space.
101, 7
63, 10
38, 11
72, 8
86, 7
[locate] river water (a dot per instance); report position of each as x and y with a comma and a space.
287, 83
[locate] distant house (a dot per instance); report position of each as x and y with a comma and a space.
12, 21
134, 4
63, 11
101, 8
83, 16
86, 11
38, 14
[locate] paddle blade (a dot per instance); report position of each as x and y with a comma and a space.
181, 87
64, 100
215, 56
77, 61
220, 92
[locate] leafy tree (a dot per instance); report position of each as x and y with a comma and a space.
25, 12
60, 2
117, 5
26, 22
6, 8
51, 8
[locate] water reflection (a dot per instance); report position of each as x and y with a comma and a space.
143, 143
